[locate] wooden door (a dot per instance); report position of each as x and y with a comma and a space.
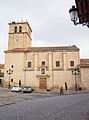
43, 83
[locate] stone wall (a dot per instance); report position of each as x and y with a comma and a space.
85, 78
56, 76
19, 39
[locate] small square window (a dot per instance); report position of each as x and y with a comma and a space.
43, 63
71, 63
11, 80
29, 64
12, 66
57, 63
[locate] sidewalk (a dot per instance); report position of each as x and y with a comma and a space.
57, 92
7, 97
53, 92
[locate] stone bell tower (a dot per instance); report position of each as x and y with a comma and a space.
19, 35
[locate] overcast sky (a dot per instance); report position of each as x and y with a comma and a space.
49, 20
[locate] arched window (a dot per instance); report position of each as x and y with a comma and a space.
15, 29
20, 29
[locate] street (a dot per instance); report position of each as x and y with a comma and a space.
66, 107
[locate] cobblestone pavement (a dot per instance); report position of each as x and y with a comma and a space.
8, 97
69, 107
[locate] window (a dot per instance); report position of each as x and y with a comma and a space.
29, 64
57, 63
12, 66
20, 29
43, 63
15, 29
71, 63
11, 80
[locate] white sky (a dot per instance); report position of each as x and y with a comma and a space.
49, 20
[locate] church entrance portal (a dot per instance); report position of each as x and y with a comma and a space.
43, 83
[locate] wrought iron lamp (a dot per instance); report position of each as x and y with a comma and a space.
75, 72
9, 72
80, 13
74, 15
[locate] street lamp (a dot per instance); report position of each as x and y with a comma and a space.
80, 13
9, 72
75, 72
74, 15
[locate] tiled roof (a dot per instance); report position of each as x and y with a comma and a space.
84, 61
39, 49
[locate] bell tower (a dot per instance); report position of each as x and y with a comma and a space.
19, 35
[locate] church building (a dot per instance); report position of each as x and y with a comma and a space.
38, 67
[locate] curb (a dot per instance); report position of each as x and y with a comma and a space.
9, 103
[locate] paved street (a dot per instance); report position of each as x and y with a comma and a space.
7, 97
67, 107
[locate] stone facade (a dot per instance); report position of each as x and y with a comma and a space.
84, 68
40, 67
19, 35
1, 74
